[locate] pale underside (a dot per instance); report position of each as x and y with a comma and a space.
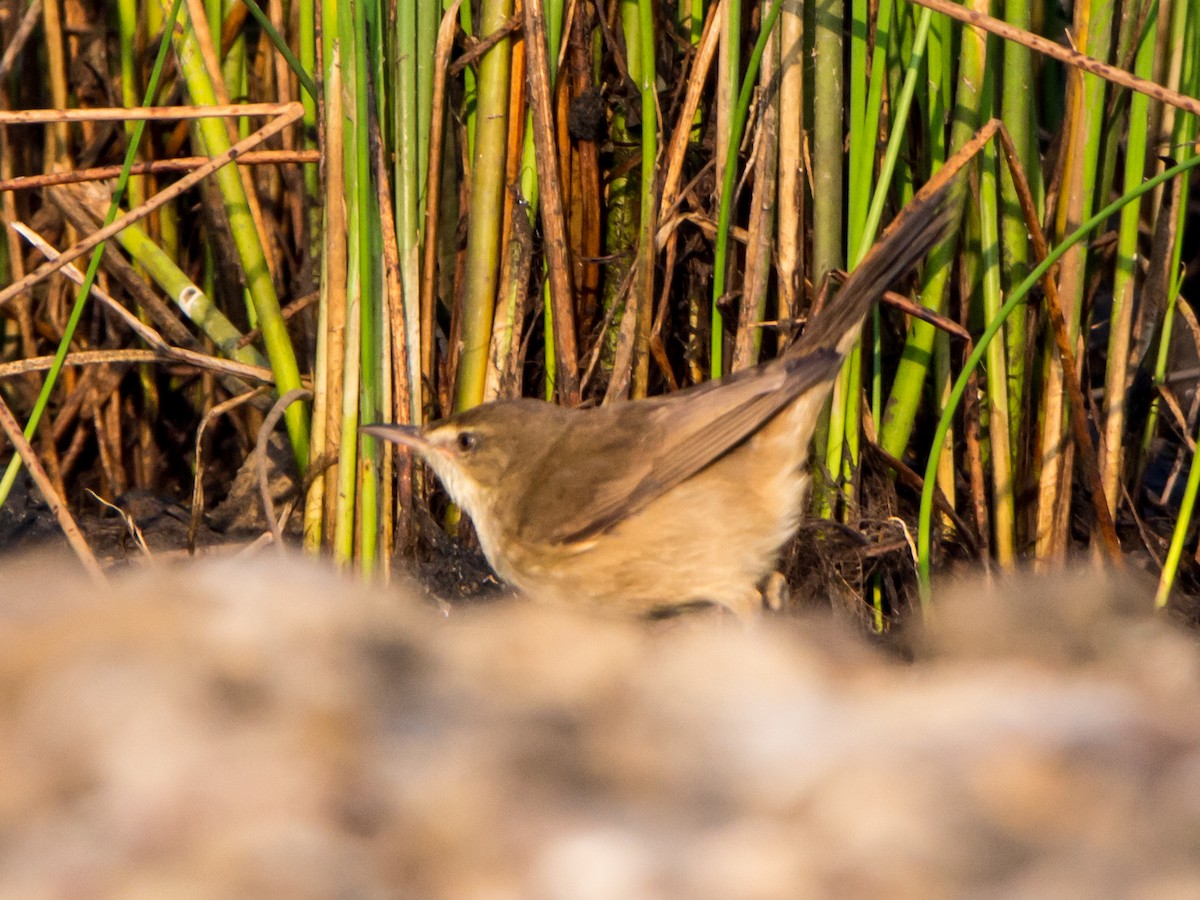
711, 537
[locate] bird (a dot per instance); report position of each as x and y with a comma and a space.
648, 506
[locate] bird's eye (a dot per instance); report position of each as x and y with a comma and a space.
466, 441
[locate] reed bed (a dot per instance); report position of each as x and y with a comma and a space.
388, 211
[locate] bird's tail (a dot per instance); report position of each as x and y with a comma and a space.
922, 223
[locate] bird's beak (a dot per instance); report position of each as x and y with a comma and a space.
405, 435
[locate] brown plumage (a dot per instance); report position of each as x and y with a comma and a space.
667, 501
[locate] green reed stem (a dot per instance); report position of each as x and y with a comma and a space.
1016, 298
64, 345
729, 173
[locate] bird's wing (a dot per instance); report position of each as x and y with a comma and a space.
663, 442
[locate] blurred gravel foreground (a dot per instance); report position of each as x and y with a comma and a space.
265, 728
